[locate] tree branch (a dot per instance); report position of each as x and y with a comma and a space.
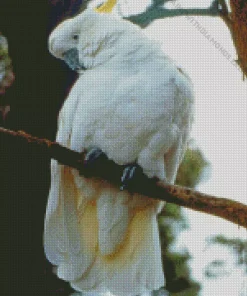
238, 29
236, 21
144, 19
107, 170
224, 13
158, 12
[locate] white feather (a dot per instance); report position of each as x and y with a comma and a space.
137, 106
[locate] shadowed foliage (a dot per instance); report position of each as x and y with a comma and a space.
172, 222
239, 246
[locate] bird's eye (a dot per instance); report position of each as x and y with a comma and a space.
75, 37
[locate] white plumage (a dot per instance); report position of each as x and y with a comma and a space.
136, 105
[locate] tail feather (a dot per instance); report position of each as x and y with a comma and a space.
67, 244
134, 268
107, 241
113, 215
76, 264
142, 270
55, 234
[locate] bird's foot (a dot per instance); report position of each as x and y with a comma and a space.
93, 160
132, 174
93, 155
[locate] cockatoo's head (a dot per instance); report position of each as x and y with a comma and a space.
88, 39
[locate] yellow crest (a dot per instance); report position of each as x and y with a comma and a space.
106, 7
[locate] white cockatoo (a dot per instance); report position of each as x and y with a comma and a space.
134, 105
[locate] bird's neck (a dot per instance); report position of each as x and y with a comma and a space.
130, 49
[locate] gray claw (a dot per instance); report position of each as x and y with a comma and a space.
92, 160
130, 176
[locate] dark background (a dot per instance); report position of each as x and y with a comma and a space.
40, 87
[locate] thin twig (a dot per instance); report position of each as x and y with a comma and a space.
225, 14
238, 30
146, 18
235, 20
222, 207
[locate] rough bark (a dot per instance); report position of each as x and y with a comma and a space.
108, 171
